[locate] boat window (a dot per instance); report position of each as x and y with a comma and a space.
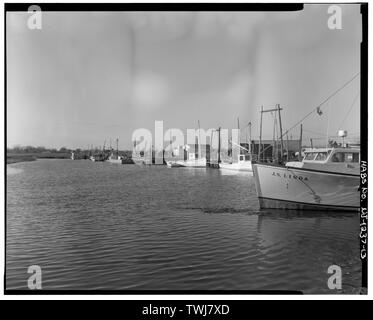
345, 157
242, 157
247, 157
338, 157
352, 157
310, 155
321, 156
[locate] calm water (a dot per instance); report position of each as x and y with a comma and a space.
124, 227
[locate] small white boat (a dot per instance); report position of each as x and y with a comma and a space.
243, 164
173, 164
115, 159
191, 163
326, 179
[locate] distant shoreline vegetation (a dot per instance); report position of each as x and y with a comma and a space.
29, 153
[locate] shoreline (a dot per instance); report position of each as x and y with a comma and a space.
24, 157
13, 159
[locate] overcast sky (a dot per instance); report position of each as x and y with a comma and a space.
90, 76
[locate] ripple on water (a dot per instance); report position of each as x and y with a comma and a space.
98, 226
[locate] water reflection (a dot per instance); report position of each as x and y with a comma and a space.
98, 226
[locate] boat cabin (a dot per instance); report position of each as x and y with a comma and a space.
345, 160
244, 157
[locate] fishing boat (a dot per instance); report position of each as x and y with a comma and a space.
173, 164
243, 164
326, 179
98, 158
194, 160
116, 159
190, 163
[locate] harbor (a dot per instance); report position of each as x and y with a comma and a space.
200, 211
288, 175
186, 151
98, 226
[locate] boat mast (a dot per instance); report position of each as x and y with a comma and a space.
239, 134
274, 139
117, 149
282, 141
219, 145
171, 147
250, 137
287, 147
199, 140
260, 135
300, 142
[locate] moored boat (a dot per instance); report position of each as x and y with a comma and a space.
173, 164
326, 179
243, 164
191, 163
115, 159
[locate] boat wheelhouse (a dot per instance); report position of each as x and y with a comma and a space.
345, 160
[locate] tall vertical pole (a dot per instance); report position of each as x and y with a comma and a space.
260, 135
199, 140
287, 147
250, 137
282, 141
172, 150
300, 143
274, 139
311, 143
239, 136
117, 148
219, 145
247, 137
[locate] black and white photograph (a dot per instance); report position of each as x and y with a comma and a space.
169, 148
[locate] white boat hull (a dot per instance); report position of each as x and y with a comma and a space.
141, 161
304, 189
116, 161
173, 164
238, 166
198, 163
